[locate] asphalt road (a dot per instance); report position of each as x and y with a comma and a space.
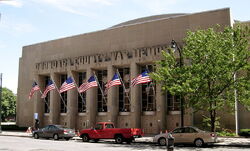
11, 143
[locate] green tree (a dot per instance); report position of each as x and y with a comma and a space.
212, 57
8, 103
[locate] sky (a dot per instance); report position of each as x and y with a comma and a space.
26, 22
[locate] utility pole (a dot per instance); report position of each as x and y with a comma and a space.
0, 101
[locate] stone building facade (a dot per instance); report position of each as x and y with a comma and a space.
129, 48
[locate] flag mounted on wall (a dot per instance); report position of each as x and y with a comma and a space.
115, 81
142, 78
34, 88
90, 84
67, 85
50, 86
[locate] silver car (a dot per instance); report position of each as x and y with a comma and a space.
54, 131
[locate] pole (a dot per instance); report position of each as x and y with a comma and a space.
100, 88
175, 45
78, 89
236, 106
0, 102
124, 88
59, 92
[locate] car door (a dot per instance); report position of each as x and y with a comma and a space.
178, 135
189, 135
45, 132
52, 131
107, 131
96, 132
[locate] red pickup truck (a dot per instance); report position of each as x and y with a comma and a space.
106, 130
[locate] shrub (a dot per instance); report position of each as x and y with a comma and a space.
244, 132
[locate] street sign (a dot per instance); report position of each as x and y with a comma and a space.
36, 116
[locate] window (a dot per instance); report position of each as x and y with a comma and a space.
178, 130
102, 100
124, 95
109, 125
63, 78
190, 130
47, 98
148, 91
98, 126
81, 100
173, 102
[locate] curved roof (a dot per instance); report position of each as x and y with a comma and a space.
147, 19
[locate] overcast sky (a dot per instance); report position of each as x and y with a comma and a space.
25, 22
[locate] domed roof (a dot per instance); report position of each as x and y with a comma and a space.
147, 19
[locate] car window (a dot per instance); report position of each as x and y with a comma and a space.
109, 126
178, 130
98, 126
52, 127
190, 130
46, 128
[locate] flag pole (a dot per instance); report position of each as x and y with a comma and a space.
77, 88
41, 94
59, 92
124, 88
100, 87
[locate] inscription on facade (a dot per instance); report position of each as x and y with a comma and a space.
99, 58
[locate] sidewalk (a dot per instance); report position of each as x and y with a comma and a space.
222, 141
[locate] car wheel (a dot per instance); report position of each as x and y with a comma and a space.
36, 136
56, 137
85, 138
198, 142
118, 139
162, 141
67, 138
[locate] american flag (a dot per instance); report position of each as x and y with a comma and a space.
67, 85
115, 81
34, 88
142, 78
85, 86
50, 86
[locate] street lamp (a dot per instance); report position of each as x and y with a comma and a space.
0, 101
175, 46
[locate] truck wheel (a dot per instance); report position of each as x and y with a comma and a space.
85, 138
128, 141
118, 139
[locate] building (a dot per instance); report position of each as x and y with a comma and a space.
130, 48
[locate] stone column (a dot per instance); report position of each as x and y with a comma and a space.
39, 102
54, 114
72, 103
135, 100
161, 108
91, 102
113, 98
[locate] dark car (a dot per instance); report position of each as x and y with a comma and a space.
54, 131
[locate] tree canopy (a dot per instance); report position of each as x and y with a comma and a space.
216, 62
8, 104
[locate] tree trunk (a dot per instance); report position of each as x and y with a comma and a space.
212, 117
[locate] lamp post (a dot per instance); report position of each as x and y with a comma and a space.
0, 101
175, 46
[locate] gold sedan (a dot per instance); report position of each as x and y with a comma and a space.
193, 135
